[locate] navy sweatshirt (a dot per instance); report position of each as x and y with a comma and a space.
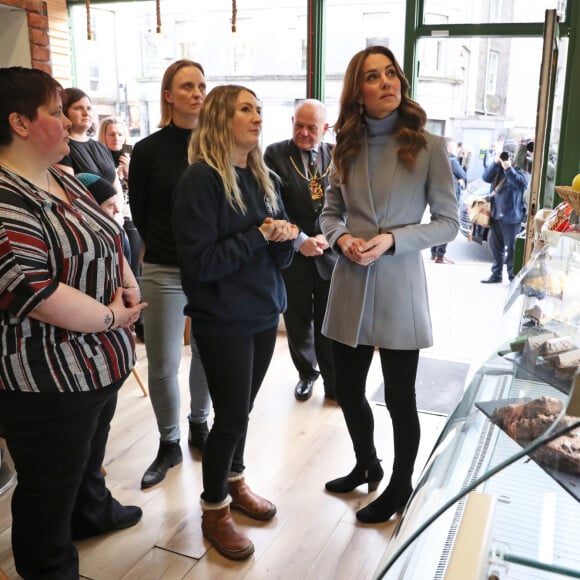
229, 272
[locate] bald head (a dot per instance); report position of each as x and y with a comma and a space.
309, 124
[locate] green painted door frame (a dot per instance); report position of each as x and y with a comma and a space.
569, 147
316, 50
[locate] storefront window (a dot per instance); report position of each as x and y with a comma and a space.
494, 11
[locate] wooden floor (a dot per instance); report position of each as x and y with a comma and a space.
292, 449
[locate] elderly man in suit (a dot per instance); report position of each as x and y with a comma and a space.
302, 163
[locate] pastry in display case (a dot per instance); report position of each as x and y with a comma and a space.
499, 497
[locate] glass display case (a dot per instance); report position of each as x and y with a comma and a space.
499, 498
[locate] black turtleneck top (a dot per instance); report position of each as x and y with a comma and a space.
157, 163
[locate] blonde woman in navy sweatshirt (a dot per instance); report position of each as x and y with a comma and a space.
232, 240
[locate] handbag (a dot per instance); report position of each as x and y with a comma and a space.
478, 211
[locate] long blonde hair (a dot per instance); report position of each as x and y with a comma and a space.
111, 121
350, 127
168, 75
213, 142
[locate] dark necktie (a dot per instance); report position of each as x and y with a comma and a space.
312, 167
316, 192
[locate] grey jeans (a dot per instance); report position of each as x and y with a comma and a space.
164, 323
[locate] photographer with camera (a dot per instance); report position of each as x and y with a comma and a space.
508, 183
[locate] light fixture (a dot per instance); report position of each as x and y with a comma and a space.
158, 13
88, 9
234, 14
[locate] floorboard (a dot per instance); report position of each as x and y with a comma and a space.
292, 449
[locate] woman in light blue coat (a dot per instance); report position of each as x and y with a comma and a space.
387, 170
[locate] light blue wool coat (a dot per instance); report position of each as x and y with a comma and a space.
386, 304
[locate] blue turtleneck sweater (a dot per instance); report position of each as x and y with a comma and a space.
379, 132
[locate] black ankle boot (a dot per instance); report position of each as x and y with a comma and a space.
391, 501
169, 454
371, 473
198, 433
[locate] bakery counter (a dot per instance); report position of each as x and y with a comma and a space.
497, 499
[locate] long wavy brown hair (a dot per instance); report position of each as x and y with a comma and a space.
350, 127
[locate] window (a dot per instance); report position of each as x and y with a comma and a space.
375, 26
186, 35
495, 9
485, 11
433, 57
94, 78
491, 73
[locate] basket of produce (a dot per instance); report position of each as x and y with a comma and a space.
569, 195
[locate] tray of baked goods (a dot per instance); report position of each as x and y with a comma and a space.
546, 355
526, 419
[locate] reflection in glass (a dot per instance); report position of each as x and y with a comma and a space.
481, 91
491, 11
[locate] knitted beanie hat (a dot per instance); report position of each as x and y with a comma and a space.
100, 188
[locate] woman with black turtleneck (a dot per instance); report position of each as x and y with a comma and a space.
156, 164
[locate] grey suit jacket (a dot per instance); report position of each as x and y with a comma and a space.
387, 304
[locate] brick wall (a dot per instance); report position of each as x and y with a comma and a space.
48, 35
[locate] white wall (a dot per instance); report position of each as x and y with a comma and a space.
14, 42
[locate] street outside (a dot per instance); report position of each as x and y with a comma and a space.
462, 250
468, 316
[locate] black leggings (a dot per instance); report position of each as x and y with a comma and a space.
235, 367
399, 373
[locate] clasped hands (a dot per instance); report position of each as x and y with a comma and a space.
365, 252
127, 306
313, 246
278, 230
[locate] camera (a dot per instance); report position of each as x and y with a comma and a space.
505, 155
127, 149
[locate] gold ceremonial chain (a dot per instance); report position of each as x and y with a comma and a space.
314, 180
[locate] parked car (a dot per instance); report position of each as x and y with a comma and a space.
478, 188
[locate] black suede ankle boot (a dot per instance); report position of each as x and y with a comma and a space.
371, 473
392, 500
169, 454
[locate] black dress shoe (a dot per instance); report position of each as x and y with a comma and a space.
169, 454
492, 280
125, 516
303, 390
130, 516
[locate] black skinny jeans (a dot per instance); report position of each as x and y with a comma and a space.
235, 367
399, 372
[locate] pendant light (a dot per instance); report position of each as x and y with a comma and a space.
88, 9
158, 13
234, 14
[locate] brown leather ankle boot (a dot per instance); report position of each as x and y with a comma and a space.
221, 531
247, 502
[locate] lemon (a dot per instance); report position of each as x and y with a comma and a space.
576, 183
